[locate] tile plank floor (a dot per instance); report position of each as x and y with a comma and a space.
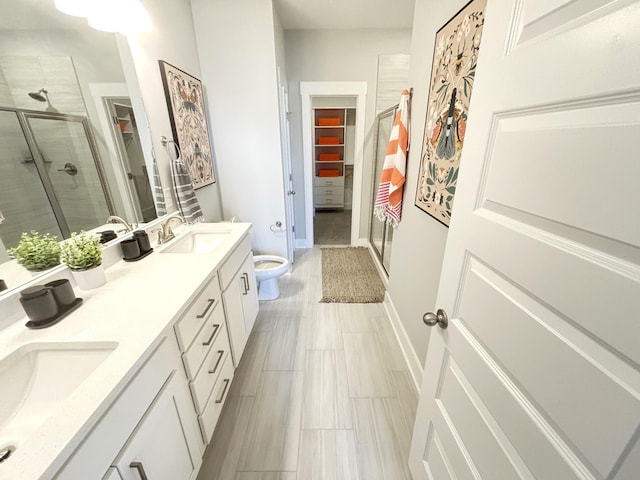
322, 392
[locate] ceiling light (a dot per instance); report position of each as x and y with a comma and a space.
77, 8
124, 16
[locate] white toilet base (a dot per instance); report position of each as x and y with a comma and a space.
268, 289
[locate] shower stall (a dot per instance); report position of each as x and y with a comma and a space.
381, 233
51, 178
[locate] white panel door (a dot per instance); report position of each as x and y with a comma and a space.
537, 375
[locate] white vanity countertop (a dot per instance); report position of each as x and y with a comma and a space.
137, 305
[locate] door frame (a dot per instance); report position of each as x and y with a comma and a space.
333, 89
287, 173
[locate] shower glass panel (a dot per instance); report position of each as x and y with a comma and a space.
381, 233
69, 158
23, 198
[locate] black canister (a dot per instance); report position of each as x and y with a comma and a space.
3, 285
130, 248
143, 241
38, 303
62, 292
107, 236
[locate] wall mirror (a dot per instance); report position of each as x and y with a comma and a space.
73, 133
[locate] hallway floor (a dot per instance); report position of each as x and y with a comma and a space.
322, 392
332, 227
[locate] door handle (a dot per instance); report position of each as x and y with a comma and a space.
291, 192
69, 169
439, 318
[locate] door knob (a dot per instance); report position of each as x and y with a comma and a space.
439, 318
291, 192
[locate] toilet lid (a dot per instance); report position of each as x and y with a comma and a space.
266, 264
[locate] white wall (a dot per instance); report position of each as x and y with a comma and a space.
173, 40
419, 241
237, 54
336, 55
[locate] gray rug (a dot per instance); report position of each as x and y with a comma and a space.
349, 276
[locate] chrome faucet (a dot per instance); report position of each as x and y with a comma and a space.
165, 232
115, 219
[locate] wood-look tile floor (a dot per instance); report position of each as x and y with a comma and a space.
322, 392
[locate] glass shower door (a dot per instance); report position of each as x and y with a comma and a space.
381, 233
71, 166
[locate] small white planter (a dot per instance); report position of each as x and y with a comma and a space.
90, 279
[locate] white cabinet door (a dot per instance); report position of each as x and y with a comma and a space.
112, 474
536, 376
249, 294
159, 449
241, 307
232, 298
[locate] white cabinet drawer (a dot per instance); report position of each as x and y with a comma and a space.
188, 326
233, 263
209, 417
329, 181
329, 191
211, 330
207, 376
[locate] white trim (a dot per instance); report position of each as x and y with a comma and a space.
413, 362
376, 261
333, 89
303, 243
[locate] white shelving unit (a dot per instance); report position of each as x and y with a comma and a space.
329, 135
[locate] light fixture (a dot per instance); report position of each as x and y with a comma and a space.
77, 8
124, 16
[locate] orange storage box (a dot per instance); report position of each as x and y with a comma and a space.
329, 122
328, 172
329, 141
329, 157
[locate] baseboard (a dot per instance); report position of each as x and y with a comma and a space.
376, 261
413, 362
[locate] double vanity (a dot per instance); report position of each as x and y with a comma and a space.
131, 385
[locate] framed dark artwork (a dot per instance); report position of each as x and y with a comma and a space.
455, 59
189, 123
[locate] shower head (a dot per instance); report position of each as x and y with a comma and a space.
39, 95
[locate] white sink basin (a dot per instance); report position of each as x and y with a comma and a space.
39, 376
196, 242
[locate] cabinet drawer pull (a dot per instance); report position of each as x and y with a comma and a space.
216, 327
215, 367
245, 287
138, 466
245, 278
204, 313
224, 390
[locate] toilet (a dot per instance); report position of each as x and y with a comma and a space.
269, 268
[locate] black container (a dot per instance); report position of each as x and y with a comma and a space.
143, 241
38, 303
3, 285
130, 248
107, 236
62, 292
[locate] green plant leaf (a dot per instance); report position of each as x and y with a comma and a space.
451, 190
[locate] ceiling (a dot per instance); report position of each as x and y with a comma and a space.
344, 14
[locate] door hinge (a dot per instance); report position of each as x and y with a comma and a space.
115, 120
293, 228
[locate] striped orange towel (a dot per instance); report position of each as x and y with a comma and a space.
388, 204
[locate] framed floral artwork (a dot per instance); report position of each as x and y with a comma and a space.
453, 73
189, 123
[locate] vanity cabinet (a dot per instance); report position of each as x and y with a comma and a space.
157, 449
151, 423
240, 296
206, 355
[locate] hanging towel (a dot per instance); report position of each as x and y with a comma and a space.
388, 204
158, 194
186, 199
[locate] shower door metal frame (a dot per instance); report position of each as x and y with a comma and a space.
391, 111
23, 115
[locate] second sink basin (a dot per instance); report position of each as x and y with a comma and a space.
39, 376
196, 242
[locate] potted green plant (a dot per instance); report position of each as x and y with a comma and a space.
36, 252
82, 253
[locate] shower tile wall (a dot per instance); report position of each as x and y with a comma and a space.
21, 196
393, 77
